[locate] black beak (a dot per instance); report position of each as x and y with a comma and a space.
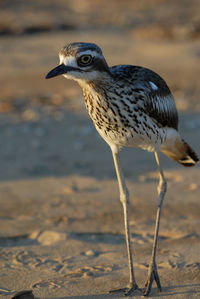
59, 70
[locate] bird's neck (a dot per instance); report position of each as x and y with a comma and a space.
96, 96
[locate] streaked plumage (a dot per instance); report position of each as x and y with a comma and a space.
130, 106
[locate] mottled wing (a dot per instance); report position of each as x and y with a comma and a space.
152, 94
162, 108
158, 101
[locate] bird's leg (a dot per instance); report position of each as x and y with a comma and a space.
124, 198
152, 271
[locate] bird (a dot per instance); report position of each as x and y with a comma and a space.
130, 106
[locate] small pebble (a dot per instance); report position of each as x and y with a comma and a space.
30, 115
50, 237
90, 253
192, 187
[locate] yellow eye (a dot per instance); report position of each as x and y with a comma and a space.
85, 59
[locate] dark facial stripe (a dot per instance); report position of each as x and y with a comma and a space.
98, 64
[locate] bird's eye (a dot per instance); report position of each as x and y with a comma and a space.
85, 60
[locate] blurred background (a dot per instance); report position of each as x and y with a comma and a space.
61, 226
45, 130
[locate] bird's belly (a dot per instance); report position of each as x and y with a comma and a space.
133, 137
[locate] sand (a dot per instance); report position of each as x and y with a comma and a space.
61, 221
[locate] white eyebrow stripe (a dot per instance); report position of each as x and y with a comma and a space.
89, 52
153, 85
68, 60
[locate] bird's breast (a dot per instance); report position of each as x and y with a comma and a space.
121, 122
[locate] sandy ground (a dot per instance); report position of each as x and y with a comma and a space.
61, 222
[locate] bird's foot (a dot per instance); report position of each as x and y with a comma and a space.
152, 275
127, 291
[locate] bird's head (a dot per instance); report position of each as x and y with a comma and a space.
80, 61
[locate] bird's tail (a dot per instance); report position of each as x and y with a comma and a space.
178, 150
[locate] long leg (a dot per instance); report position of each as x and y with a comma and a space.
124, 198
152, 271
